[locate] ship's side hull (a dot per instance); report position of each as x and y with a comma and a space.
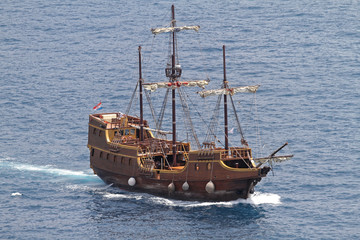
203, 176
196, 192
228, 184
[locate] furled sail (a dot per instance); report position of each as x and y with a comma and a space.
195, 83
174, 29
229, 91
273, 159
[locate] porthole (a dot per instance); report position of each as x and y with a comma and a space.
101, 154
100, 133
92, 152
94, 131
197, 167
129, 161
107, 156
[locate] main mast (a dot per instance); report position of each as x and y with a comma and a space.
225, 104
173, 90
175, 73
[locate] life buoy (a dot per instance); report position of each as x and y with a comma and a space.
124, 139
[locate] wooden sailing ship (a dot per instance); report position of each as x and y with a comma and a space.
127, 153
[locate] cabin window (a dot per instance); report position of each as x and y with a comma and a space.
101, 154
107, 156
121, 132
208, 166
129, 161
92, 152
122, 160
197, 167
94, 131
132, 131
126, 131
100, 133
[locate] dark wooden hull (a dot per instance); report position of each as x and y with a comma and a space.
200, 167
196, 192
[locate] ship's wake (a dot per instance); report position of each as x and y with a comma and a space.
47, 169
34, 173
257, 198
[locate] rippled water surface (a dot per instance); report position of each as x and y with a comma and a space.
58, 59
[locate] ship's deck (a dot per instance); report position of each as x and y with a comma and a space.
124, 130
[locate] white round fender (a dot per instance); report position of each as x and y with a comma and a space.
185, 186
210, 187
171, 187
132, 181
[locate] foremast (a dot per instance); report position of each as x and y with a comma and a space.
226, 130
226, 90
141, 99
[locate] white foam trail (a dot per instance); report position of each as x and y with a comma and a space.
9, 162
79, 188
264, 198
49, 169
122, 196
255, 199
76, 187
16, 194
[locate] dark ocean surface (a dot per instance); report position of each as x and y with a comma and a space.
58, 59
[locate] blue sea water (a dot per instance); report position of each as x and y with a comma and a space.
58, 59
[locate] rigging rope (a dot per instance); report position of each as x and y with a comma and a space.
187, 116
258, 134
237, 118
162, 111
147, 93
209, 128
213, 122
132, 98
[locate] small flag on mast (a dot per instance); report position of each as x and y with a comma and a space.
98, 106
